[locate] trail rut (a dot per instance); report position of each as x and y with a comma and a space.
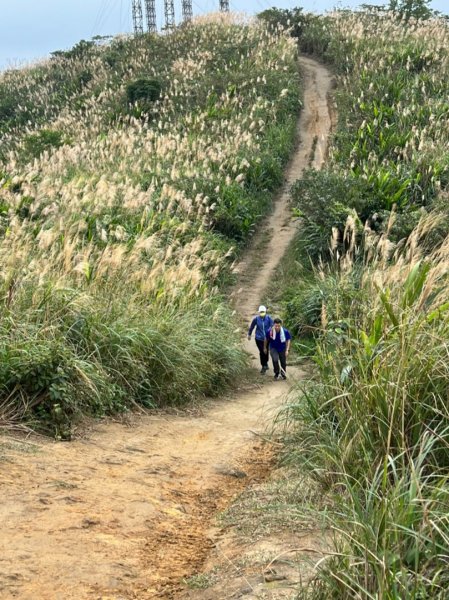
126, 511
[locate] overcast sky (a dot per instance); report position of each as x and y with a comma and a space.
31, 29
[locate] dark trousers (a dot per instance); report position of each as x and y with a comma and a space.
278, 357
263, 356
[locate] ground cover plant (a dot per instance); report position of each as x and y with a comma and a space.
371, 428
123, 202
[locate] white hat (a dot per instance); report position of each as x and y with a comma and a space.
262, 308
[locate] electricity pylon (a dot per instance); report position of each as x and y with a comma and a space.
187, 11
150, 8
169, 7
224, 5
137, 17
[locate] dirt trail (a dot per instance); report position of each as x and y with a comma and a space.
126, 511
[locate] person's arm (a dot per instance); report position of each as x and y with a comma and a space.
251, 327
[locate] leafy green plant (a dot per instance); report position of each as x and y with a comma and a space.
143, 90
324, 200
44, 140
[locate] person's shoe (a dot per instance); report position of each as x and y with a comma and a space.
284, 376
265, 367
276, 377
262, 371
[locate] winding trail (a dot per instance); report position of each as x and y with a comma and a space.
126, 511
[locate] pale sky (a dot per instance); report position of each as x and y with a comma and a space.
31, 29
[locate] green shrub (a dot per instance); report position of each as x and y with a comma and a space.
416, 9
44, 140
143, 90
324, 200
82, 50
293, 19
7, 107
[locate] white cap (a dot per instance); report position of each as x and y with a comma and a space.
262, 308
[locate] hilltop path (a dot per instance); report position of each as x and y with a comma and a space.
126, 510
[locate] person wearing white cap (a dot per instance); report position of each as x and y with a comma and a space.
262, 322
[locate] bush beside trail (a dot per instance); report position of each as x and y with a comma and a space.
67, 352
373, 430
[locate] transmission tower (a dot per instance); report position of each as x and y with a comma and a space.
187, 11
150, 8
169, 7
137, 17
224, 5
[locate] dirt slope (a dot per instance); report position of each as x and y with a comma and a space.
126, 510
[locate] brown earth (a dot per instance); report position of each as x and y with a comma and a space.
128, 510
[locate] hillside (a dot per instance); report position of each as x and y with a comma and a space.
132, 172
129, 508
128, 194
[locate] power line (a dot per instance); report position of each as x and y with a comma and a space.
100, 16
121, 20
109, 9
200, 9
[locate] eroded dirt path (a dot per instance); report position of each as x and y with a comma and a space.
126, 511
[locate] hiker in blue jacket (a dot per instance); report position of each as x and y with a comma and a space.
263, 323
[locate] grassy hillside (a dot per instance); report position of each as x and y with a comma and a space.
372, 428
131, 172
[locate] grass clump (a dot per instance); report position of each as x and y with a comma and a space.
200, 581
69, 353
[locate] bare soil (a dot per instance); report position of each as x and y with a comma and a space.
129, 509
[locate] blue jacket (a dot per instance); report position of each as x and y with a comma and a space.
262, 325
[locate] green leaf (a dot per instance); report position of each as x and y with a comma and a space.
414, 284
385, 299
437, 313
